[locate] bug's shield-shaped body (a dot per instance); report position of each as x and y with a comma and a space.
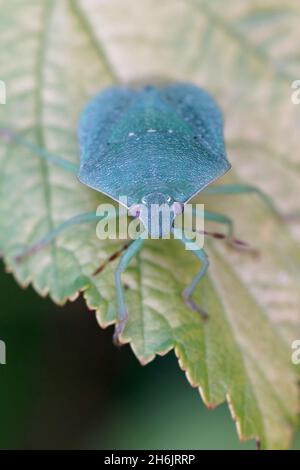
154, 140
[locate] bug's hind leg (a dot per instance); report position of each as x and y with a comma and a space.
231, 189
10, 136
127, 256
189, 290
78, 219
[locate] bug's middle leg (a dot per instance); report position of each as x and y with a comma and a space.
127, 256
86, 217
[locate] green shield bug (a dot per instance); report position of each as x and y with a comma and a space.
154, 146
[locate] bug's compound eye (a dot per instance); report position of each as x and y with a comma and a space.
177, 208
135, 210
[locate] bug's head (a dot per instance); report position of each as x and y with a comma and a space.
157, 212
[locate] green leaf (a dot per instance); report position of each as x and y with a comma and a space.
54, 56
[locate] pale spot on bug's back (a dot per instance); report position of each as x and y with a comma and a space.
151, 130
131, 134
170, 131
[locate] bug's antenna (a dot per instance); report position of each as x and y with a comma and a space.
112, 257
235, 243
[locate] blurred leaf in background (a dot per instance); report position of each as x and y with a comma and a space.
53, 57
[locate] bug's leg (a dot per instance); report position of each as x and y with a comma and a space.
78, 219
10, 136
231, 189
127, 256
188, 291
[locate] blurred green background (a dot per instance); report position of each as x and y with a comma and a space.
65, 386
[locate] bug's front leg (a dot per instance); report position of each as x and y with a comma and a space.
127, 256
189, 290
